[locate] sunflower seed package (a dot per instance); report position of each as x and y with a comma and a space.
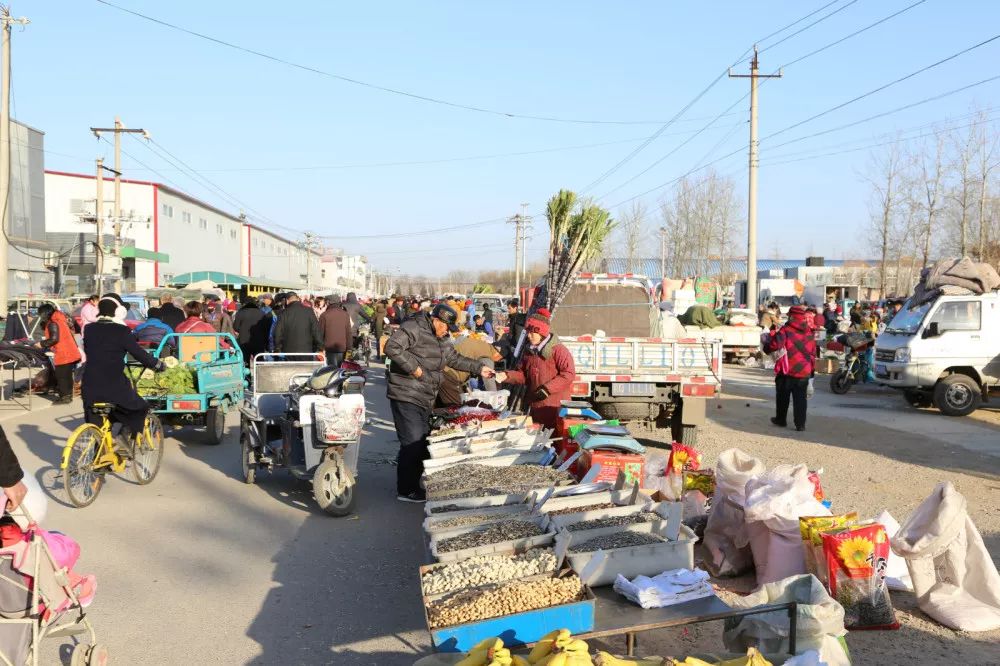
811, 529
856, 559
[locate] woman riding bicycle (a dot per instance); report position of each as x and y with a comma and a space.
104, 380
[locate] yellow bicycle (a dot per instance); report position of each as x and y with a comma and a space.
92, 451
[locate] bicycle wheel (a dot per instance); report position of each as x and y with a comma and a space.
81, 478
147, 451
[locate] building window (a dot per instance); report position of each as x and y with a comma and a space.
168, 211
202, 223
186, 217
218, 229
232, 234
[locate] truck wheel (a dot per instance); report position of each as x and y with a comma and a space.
249, 459
916, 398
688, 435
957, 395
215, 425
333, 488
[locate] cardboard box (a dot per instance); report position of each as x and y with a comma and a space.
827, 366
612, 462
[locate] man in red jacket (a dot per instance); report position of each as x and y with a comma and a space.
794, 366
546, 368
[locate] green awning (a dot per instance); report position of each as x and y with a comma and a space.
231, 280
129, 252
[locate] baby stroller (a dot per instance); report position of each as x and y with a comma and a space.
39, 599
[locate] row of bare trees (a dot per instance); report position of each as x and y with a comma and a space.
698, 221
935, 198
466, 281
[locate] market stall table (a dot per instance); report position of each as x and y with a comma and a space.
615, 615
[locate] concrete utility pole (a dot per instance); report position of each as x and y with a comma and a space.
518, 222
7, 21
526, 221
99, 234
118, 129
663, 255
311, 241
754, 76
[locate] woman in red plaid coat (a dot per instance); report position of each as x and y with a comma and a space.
796, 347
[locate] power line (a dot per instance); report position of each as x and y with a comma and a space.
884, 87
739, 60
905, 107
373, 86
424, 232
801, 30
797, 60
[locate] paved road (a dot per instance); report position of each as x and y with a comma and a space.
199, 568
879, 406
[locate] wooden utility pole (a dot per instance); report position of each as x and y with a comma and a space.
7, 21
663, 255
754, 76
118, 129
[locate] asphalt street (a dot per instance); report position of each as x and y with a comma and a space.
878, 405
200, 568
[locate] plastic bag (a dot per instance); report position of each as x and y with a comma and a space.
811, 529
726, 536
810, 388
856, 559
683, 458
774, 503
819, 621
340, 419
897, 576
954, 577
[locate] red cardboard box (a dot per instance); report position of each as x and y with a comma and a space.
563, 424
611, 463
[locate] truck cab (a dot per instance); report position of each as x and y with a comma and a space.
944, 352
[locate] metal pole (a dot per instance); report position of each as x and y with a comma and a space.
117, 224
752, 188
524, 250
663, 254
5, 158
99, 219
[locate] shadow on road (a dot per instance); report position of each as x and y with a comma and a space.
345, 589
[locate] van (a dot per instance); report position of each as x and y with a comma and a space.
945, 352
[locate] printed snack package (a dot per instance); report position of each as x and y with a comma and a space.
811, 529
856, 559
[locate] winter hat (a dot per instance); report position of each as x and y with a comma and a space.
539, 322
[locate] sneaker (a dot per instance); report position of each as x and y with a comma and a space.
800, 428
416, 497
65, 400
775, 421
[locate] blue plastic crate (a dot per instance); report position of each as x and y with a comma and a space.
518, 629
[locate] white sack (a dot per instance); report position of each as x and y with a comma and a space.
725, 533
897, 576
819, 621
774, 503
954, 578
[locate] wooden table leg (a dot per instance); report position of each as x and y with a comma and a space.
630, 644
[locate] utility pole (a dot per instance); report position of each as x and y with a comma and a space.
7, 21
118, 129
663, 255
311, 241
518, 222
99, 234
526, 221
754, 76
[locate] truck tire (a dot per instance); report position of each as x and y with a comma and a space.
688, 435
957, 395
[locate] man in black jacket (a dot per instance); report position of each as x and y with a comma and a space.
297, 330
252, 327
170, 314
420, 350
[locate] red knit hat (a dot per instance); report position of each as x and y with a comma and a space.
539, 322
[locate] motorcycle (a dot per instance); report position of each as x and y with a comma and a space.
363, 350
312, 427
857, 367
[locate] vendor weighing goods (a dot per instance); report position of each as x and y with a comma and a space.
485, 570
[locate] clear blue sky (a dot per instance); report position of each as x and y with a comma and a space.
80, 63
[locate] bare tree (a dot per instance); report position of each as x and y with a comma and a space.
986, 162
931, 175
883, 175
632, 235
963, 184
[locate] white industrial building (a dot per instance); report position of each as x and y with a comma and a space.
341, 273
168, 234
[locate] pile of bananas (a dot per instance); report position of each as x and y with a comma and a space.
605, 659
491, 652
559, 648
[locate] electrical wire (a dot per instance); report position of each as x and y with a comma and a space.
883, 87
797, 60
801, 30
625, 160
373, 86
424, 232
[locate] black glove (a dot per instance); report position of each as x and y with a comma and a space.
541, 394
